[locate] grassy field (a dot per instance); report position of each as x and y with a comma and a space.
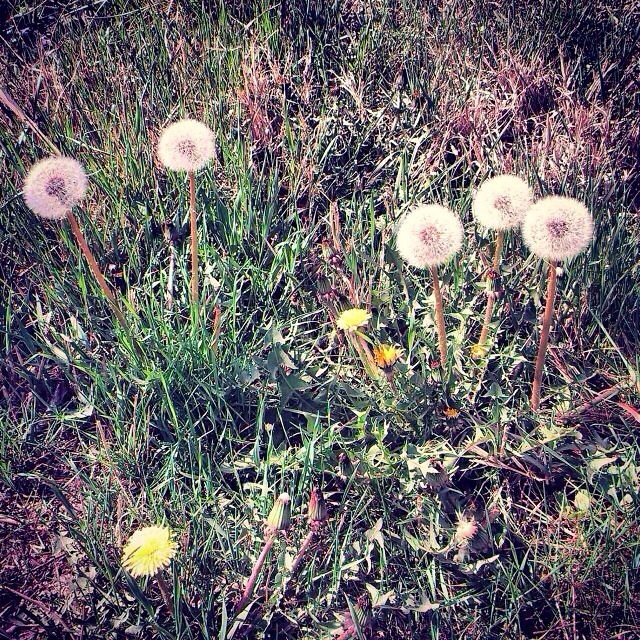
330, 120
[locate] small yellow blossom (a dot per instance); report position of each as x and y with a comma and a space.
149, 549
385, 355
477, 350
450, 412
351, 319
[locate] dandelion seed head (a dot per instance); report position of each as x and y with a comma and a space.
53, 186
501, 202
186, 145
149, 549
429, 235
557, 228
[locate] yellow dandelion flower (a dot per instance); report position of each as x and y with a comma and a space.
477, 350
149, 549
385, 355
351, 319
450, 412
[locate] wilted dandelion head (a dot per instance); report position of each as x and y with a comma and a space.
385, 355
53, 186
429, 235
149, 549
501, 202
465, 530
351, 319
186, 145
557, 228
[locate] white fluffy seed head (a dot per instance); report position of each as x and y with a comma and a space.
186, 145
53, 186
429, 235
557, 228
501, 202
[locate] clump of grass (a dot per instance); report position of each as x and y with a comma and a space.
52, 188
428, 236
556, 229
147, 553
500, 204
187, 145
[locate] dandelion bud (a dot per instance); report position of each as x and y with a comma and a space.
186, 145
557, 228
502, 202
280, 516
317, 506
429, 235
53, 186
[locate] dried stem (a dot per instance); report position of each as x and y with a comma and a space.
248, 590
95, 269
490, 295
544, 337
194, 241
165, 591
442, 339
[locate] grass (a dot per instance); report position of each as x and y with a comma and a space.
329, 124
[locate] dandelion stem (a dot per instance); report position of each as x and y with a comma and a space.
95, 269
498, 249
490, 296
442, 340
164, 591
544, 337
194, 240
301, 551
248, 590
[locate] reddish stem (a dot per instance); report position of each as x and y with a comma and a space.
544, 337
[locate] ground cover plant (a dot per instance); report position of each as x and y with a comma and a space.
260, 413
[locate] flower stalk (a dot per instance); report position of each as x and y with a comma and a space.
442, 336
495, 266
194, 241
95, 269
544, 336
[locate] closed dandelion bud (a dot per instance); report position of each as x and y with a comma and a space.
280, 516
557, 228
502, 202
186, 145
346, 466
429, 235
53, 186
317, 506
